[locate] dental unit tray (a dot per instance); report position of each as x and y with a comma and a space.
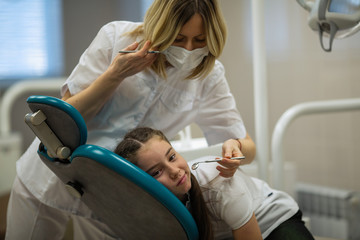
132, 203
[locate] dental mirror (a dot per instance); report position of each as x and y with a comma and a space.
196, 165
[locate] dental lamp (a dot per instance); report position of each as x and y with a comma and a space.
333, 18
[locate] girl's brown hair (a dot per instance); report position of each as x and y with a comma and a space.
128, 149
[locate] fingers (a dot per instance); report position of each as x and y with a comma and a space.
229, 163
227, 150
149, 58
228, 167
141, 53
131, 47
127, 64
144, 50
231, 149
141, 56
226, 172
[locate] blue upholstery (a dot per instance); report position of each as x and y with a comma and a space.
142, 179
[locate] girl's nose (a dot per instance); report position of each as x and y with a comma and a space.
174, 173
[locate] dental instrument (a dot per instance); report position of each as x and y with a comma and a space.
136, 51
196, 165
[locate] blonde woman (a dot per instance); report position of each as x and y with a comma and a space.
178, 84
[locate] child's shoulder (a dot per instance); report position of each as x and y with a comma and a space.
206, 172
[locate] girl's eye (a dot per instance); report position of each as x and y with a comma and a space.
172, 157
200, 40
156, 174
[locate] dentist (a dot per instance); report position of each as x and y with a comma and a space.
179, 84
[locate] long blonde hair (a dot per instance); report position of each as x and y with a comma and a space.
164, 19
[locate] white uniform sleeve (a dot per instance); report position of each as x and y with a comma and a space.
235, 203
93, 62
218, 117
229, 199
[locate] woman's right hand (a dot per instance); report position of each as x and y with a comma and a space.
127, 64
90, 100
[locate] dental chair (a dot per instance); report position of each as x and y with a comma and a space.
132, 203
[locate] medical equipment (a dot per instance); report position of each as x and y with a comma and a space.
333, 18
136, 51
132, 203
196, 165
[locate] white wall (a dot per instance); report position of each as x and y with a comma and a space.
324, 147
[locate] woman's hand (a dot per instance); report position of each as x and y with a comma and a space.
228, 166
89, 101
128, 64
236, 148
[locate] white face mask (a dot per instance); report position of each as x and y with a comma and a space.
183, 59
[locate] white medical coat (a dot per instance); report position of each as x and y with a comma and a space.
143, 99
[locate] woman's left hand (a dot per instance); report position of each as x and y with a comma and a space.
230, 148
228, 167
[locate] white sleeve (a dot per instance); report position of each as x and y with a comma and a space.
218, 116
229, 199
235, 204
93, 62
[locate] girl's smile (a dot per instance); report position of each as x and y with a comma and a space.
160, 160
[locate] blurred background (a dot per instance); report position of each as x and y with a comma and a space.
44, 39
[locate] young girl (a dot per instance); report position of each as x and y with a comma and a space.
240, 207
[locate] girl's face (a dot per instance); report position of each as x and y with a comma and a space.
192, 34
162, 162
